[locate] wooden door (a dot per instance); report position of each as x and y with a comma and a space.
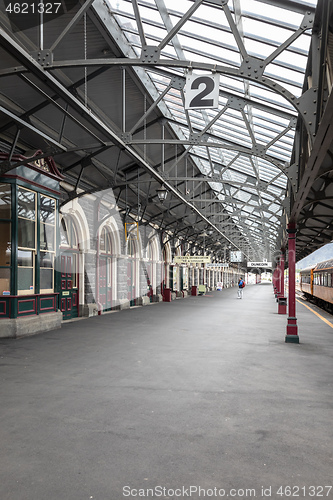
102, 279
69, 285
131, 281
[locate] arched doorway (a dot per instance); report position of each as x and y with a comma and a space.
69, 268
105, 270
131, 269
151, 271
165, 272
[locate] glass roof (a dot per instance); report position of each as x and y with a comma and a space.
249, 142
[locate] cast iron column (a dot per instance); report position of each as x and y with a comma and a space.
292, 335
277, 280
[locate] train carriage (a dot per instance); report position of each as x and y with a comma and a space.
317, 284
306, 281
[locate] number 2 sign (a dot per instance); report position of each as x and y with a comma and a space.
202, 91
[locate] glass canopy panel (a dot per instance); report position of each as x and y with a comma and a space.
154, 33
284, 75
211, 31
151, 15
254, 8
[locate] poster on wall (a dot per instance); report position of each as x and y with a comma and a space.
236, 256
191, 259
185, 278
175, 278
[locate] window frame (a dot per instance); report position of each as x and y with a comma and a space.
32, 288
51, 252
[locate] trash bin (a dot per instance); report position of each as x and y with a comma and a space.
282, 307
194, 290
167, 295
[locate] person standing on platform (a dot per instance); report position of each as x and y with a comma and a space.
241, 284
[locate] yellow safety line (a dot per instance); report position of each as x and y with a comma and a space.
317, 314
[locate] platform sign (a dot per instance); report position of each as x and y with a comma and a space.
202, 91
191, 259
218, 265
260, 264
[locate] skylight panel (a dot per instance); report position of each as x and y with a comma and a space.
154, 32
297, 61
274, 33
268, 125
217, 33
122, 6
302, 42
284, 74
126, 22
268, 97
223, 57
211, 49
179, 6
257, 49
233, 84
211, 13
150, 14
265, 115
256, 8
277, 153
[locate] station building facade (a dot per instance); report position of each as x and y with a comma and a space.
62, 259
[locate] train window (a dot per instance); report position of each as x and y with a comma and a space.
329, 279
325, 279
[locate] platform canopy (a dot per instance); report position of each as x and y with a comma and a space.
120, 93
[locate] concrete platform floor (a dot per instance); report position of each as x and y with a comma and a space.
202, 392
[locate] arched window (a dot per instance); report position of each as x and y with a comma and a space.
131, 246
105, 242
150, 251
164, 255
68, 233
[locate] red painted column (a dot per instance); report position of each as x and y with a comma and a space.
278, 281
292, 329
